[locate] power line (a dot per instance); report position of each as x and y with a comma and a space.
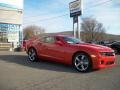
59, 16
67, 8
102, 3
46, 19
41, 14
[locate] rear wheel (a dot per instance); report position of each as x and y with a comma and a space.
82, 62
32, 55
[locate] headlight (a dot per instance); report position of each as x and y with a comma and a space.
107, 53
103, 53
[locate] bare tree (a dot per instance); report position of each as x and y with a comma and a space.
92, 30
32, 30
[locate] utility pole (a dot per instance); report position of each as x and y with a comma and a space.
79, 23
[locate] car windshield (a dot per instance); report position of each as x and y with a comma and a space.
72, 40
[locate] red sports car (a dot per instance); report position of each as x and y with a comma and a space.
68, 50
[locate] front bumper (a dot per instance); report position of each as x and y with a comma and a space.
103, 62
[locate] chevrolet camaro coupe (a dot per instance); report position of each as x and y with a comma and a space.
69, 50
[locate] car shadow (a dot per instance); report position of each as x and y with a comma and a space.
43, 65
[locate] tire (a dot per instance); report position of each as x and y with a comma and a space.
82, 62
32, 55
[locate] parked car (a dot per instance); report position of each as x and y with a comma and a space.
104, 43
68, 50
115, 46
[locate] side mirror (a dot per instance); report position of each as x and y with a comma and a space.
59, 43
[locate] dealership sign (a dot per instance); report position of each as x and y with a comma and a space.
75, 8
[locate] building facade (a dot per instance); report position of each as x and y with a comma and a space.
10, 24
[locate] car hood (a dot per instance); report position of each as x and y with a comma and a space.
95, 47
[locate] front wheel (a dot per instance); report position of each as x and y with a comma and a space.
82, 62
32, 55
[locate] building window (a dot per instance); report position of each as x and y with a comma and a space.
5, 29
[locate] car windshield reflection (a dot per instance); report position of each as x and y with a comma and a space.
72, 40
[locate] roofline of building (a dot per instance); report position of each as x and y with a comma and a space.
9, 7
9, 23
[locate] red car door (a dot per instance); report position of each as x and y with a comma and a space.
49, 49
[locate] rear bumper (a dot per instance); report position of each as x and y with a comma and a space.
103, 62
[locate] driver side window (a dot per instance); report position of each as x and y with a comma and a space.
49, 40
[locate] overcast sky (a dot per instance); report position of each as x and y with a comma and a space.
53, 15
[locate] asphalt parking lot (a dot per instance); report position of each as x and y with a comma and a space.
17, 73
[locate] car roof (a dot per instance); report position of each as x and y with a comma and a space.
54, 35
